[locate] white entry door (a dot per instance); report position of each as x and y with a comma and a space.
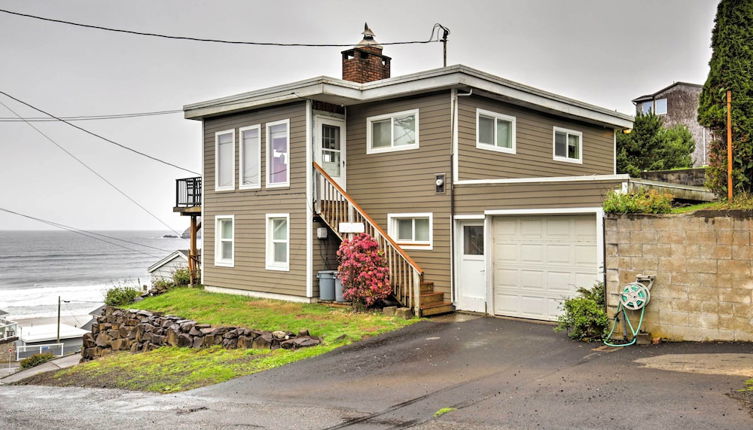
541, 260
471, 266
329, 135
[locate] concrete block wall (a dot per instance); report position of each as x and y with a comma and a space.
703, 264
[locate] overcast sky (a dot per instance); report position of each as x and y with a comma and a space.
599, 51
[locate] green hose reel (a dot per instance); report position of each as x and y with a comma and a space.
635, 296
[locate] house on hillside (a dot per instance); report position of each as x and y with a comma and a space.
485, 194
166, 267
678, 104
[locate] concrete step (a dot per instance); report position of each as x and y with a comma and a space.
437, 308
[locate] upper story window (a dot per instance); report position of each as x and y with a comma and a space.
278, 242
278, 154
392, 132
411, 230
224, 160
224, 240
568, 145
250, 157
647, 107
660, 106
495, 131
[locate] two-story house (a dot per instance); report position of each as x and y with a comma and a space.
484, 194
677, 104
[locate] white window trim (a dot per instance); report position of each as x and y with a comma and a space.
392, 230
270, 264
391, 148
256, 127
218, 241
555, 157
217, 160
285, 184
496, 116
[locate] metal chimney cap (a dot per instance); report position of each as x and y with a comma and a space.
368, 37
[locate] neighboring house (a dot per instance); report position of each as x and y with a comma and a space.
96, 312
44, 338
485, 194
678, 104
8, 328
164, 268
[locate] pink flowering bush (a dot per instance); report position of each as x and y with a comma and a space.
363, 271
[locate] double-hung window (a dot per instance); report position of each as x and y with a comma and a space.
495, 131
411, 230
392, 132
278, 154
278, 242
250, 157
224, 240
568, 145
224, 160
660, 106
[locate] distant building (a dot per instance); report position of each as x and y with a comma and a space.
44, 338
678, 104
164, 268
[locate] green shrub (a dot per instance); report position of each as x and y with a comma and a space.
584, 317
182, 277
639, 201
36, 360
162, 284
119, 296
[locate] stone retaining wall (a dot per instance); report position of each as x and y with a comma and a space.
703, 264
139, 330
695, 177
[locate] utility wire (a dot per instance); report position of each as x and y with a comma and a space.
93, 134
200, 39
91, 117
92, 170
84, 233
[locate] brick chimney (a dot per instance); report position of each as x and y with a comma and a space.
365, 62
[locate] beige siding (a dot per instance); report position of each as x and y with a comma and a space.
251, 206
534, 141
403, 181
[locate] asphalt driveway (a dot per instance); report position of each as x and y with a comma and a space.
495, 373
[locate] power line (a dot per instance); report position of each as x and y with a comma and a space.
159, 160
93, 171
84, 233
91, 117
200, 39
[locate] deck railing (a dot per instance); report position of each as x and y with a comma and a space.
188, 192
335, 206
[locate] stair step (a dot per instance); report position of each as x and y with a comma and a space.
436, 308
428, 298
427, 287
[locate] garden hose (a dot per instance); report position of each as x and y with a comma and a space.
635, 296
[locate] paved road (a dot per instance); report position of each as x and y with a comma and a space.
496, 373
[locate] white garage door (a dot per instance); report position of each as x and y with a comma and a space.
540, 260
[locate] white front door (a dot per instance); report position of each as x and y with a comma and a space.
471, 265
329, 134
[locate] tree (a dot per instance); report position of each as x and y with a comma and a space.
730, 68
651, 146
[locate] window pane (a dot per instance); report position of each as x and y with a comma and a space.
280, 252
560, 144
504, 134
226, 250
661, 107
486, 130
405, 229
647, 107
226, 229
331, 162
279, 229
473, 240
422, 229
250, 168
225, 160
380, 134
405, 130
330, 136
278, 168
573, 145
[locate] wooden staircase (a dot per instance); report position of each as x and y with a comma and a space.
335, 206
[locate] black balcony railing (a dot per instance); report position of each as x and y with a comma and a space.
188, 192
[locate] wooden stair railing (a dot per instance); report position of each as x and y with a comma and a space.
334, 206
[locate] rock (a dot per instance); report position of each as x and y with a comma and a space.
303, 332
123, 331
172, 337
405, 313
119, 344
280, 335
186, 326
207, 330
207, 341
197, 342
184, 340
245, 342
87, 353
389, 310
230, 343
135, 347
158, 339
201, 326
88, 341
232, 334
300, 342
195, 332
103, 340
263, 342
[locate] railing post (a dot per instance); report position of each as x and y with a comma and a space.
416, 292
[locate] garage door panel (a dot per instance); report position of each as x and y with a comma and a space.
541, 260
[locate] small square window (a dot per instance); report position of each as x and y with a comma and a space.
568, 145
392, 132
495, 131
411, 231
473, 240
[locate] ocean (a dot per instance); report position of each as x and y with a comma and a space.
38, 266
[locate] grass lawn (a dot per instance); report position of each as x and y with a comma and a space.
168, 369
693, 208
